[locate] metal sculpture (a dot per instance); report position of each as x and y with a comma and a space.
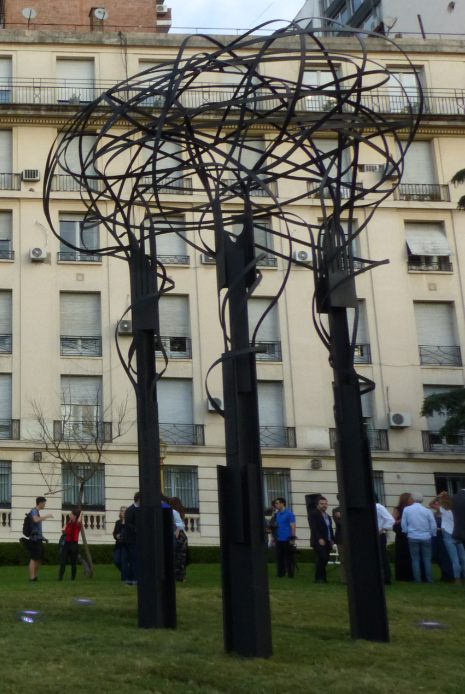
193, 152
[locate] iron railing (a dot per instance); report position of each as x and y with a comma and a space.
277, 437
425, 263
6, 344
82, 431
316, 192
362, 354
10, 429
264, 190
170, 186
377, 439
182, 434
174, 259
265, 261
10, 181
77, 257
422, 191
434, 442
64, 183
175, 347
72, 346
268, 351
440, 355
5, 250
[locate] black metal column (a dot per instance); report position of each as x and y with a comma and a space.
156, 594
367, 603
246, 608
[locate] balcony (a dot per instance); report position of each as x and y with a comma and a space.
362, 354
64, 183
258, 189
10, 429
268, 351
6, 344
434, 442
429, 263
93, 521
314, 191
277, 437
192, 524
85, 432
10, 181
377, 439
5, 518
182, 434
170, 186
71, 346
77, 257
423, 192
174, 259
6, 252
432, 355
266, 260
175, 347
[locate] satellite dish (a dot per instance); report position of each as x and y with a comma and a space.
100, 13
29, 13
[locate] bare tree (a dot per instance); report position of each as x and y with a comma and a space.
77, 445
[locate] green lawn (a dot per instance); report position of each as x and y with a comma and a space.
98, 647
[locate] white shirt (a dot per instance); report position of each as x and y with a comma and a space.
384, 518
178, 521
418, 522
447, 521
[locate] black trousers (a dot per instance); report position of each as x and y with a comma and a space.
285, 558
69, 554
384, 558
322, 553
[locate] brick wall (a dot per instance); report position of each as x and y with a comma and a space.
124, 15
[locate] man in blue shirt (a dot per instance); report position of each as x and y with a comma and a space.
285, 537
419, 525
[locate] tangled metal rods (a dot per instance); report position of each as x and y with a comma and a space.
228, 138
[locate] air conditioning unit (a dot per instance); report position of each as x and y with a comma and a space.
30, 175
206, 259
125, 327
162, 9
38, 255
371, 168
302, 256
400, 419
218, 402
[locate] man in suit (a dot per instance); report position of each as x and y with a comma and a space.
458, 510
322, 537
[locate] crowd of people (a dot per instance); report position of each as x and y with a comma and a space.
422, 535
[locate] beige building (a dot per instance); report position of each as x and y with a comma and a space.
59, 308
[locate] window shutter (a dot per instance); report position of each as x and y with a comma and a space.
81, 390
435, 324
330, 162
5, 313
80, 314
5, 71
367, 405
362, 328
262, 236
76, 148
169, 242
427, 239
175, 401
76, 79
5, 396
270, 403
5, 226
419, 166
252, 152
174, 316
6, 152
269, 329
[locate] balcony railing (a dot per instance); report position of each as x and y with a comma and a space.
176, 347
182, 434
82, 431
5, 518
192, 523
10, 181
433, 442
77, 257
268, 351
64, 183
315, 192
93, 521
422, 191
10, 429
267, 260
5, 251
6, 344
174, 259
264, 190
362, 354
80, 346
377, 439
439, 355
170, 186
277, 437
425, 263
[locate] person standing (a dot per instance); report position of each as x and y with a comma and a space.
403, 562
70, 548
419, 525
385, 524
454, 548
180, 541
322, 537
458, 511
118, 535
130, 569
337, 518
285, 539
35, 543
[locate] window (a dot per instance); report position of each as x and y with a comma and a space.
175, 326
267, 339
317, 80
419, 181
76, 80
437, 333
5, 322
6, 252
263, 240
7, 180
273, 433
93, 477
76, 160
5, 484
448, 482
5, 407
432, 439
83, 235
80, 332
378, 486
403, 91
170, 240
276, 483
175, 411
81, 407
427, 247
326, 170
183, 483
362, 353
5, 80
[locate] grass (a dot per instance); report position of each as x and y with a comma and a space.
98, 648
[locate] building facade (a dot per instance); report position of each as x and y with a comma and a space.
59, 308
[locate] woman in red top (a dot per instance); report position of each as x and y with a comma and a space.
70, 547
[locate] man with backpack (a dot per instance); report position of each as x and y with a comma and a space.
33, 525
